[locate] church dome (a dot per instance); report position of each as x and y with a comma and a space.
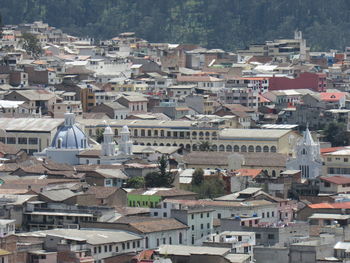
70, 136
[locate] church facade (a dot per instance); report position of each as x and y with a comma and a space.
307, 157
70, 145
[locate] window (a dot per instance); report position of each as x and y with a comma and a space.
219, 215
99, 249
138, 243
258, 236
106, 249
146, 241
133, 244
128, 245
239, 238
207, 214
164, 240
155, 214
95, 250
123, 246
116, 248
165, 214
272, 214
268, 214
11, 140
22, 140
33, 141
192, 216
263, 215
192, 239
346, 159
271, 236
170, 242
180, 238
201, 215
202, 226
192, 227
157, 242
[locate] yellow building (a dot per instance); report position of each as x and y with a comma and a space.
28, 134
337, 162
190, 134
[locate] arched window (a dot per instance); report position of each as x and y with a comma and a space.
236, 148
155, 144
135, 133
303, 152
273, 149
258, 149
59, 143
188, 147
222, 148
207, 134
228, 148
214, 148
168, 144
194, 134
146, 241
149, 133
273, 173
194, 147
201, 134
161, 144
244, 149
266, 149
174, 144
143, 133
148, 144
251, 148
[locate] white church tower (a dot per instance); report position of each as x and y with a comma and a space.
125, 144
108, 145
308, 157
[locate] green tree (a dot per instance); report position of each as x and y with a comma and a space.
99, 135
198, 176
209, 188
336, 134
205, 146
135, 182
161, 178
31, 45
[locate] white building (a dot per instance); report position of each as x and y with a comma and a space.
308, 157
241, 242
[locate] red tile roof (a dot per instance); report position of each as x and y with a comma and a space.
331, 149
336, 179
332, 96
341, 205
248, 172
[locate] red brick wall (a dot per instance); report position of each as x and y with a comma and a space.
304, 81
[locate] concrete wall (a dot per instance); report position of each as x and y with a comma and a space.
271, 254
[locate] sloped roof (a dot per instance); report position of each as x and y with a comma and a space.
336, 179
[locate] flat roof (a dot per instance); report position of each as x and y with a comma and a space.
30, 124
329, 216
253, 133
92, 236
188, 250
58, 214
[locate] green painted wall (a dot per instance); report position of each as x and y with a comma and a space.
143, 200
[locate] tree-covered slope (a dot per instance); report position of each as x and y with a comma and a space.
227, 24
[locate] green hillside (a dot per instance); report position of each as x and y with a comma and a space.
227, 24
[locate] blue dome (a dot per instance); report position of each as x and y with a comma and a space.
70, 136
